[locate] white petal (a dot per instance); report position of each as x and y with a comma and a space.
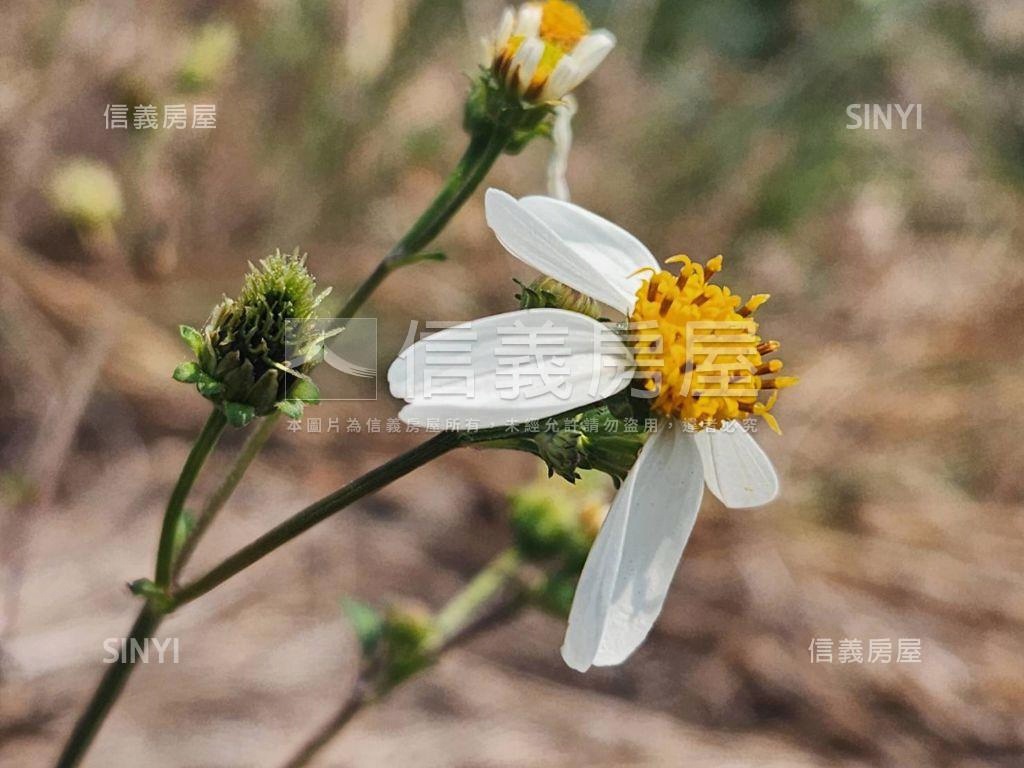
487, 52
736, 470
528, 21
585, 252
525, 61
561, 140
505, 27
591, 51
514, 367
561, 81
629, 570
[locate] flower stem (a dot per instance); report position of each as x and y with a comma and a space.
253, 445
473, 609
197, 457
484, 148
315, 513
106, 694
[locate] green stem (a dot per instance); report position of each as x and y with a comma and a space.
106, 694
253, 445
474, 608
462, 610
315, 513
196, 458
485, 147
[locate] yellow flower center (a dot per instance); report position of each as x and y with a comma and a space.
698, 351
563, 24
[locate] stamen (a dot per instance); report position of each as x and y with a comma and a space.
752, 304
772, 366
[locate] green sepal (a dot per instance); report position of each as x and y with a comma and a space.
306, 391
188, 373
290, 408
239, 414
192, 337
262, 394
208, 387
366, 623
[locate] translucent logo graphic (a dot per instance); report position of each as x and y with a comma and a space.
345, 350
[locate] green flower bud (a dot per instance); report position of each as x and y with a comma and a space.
492, 106
210, 53
595, 439
87, 193
242, 352
405, 637
558, 521
548, 292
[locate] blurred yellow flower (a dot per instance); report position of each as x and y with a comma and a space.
543, 50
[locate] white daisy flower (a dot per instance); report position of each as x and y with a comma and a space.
699, 440
543, 50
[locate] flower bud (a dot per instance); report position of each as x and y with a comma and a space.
594, 439
405, 636
242, 352
87, 193
548, 292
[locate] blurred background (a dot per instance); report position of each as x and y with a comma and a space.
716, 126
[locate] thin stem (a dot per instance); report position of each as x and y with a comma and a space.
106, 694
315, 513
473, 609
196, 458
485, 147
460, 612
253, 445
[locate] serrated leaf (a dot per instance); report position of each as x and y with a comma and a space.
192, 337
239, 414
188, 373
365, 621
306, 391
290, 408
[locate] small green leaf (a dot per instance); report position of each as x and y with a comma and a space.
366, 623
290, 408
306, 391
192, 337
188, 373
147, 589
239, 414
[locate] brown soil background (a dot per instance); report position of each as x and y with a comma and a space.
894, 262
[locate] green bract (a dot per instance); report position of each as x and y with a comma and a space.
491, 106
242, 353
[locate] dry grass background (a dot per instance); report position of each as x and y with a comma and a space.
894, 263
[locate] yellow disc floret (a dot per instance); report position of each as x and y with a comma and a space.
698, 350
562, 24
